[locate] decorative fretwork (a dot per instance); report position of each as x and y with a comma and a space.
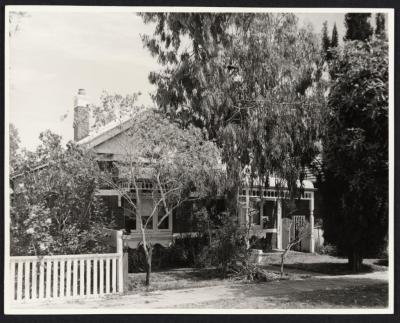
273, 193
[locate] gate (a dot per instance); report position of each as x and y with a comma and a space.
299, 222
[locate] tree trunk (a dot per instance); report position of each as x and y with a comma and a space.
148, 254
233, 191
283, 255
232, 199
355, 261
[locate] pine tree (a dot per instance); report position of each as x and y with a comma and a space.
334, 39
358, 26
380, 25
326, 42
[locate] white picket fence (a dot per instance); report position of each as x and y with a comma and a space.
66, 276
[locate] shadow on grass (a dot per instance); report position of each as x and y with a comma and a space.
359, 296
382, 262
329, 268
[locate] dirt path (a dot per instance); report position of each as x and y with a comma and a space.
217, 295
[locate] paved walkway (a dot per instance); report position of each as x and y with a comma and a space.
182, 297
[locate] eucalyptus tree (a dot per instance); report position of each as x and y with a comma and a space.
248, 81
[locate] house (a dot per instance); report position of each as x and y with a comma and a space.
263, 207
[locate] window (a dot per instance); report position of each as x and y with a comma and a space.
145, 219
164, 225
129, 216
147, 209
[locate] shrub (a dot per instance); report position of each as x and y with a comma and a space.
263, 244
185, 251
327, 250
227, 244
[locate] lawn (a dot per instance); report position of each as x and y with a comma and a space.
299, 266
175, 279
320, 264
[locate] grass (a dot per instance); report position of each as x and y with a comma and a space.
193, 278
373, 296
321, 264
299, 266
176, 279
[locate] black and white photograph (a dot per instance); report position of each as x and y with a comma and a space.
198, 160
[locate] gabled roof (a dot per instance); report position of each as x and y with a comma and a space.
107, 132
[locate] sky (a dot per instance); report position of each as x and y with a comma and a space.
53, 54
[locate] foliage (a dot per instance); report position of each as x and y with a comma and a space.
187, 251
248, 81
177, 164
14, 148
226, 246
355, 152
54, 209
380, 31
326, 42
357, 26
114, 107
327, 249
335, 37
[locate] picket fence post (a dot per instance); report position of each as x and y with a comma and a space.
120, 252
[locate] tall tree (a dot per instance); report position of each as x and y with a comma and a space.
334, 39
380, 31
248, 81
355, 152
357, 26
326, 42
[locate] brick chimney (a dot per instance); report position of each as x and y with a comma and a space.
81, 115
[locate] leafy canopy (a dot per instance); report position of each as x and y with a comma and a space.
357, 26
181, 160
54, 208
113, 107
248, 81
355, 151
